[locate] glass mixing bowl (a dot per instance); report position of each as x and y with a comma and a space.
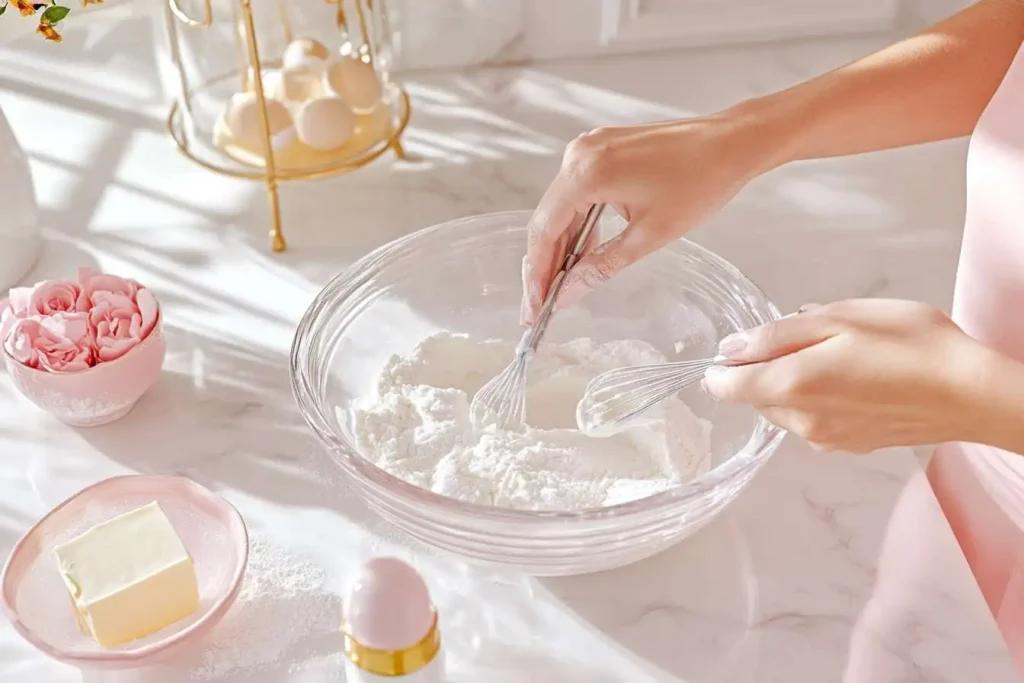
464, 276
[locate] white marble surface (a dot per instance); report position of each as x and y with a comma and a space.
799, 582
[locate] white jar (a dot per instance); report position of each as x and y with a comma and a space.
20, 238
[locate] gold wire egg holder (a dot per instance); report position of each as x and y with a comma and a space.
375, 132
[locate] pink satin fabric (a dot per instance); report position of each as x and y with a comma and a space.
981, 489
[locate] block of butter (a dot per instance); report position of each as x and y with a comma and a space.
129, 577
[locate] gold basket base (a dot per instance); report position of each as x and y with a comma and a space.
297, 158
374, 135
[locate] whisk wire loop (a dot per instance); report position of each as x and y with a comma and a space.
615, 397
502, 400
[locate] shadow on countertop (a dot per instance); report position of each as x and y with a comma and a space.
492, 141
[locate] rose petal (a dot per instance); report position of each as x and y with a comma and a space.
21, 343
20, 350
54, 296
85, 274
122, 313
109, 349
71, 361
24, 354
73, 327
18, 300
149, 309
108, 283
135, 326
7, 320
99, 311
83, 303
116, 300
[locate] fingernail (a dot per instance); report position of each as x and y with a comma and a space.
732, 345
522, 311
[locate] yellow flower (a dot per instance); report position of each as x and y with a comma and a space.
26, 8
86, 3
48, 32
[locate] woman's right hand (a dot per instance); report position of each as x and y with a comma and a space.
663, 178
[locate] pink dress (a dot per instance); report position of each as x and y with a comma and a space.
981, 489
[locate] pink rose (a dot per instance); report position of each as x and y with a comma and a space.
121, 311
61, 342
45, 298
41, 326
97, 287
119, 324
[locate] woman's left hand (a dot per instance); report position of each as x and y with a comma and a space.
857, 375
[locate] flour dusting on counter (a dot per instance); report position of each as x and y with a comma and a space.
284, 601
416, 426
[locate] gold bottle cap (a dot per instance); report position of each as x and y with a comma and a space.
394, 662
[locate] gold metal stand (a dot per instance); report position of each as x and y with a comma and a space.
215, 149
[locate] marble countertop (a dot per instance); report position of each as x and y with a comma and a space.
828, 568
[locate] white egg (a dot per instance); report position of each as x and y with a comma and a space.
325, 123
354, 81
305, 51
297, 84
271, 81
243, 120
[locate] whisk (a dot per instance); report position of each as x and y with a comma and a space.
614, 398
502, 401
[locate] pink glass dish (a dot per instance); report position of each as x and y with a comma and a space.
36, 601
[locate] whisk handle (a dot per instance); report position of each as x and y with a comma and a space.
532, 338
575, 250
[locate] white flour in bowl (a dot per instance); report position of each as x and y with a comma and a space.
416, 426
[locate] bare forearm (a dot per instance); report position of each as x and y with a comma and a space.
932, 86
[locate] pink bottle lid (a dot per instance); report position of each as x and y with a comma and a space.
387, 605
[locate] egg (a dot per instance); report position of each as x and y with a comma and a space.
387, 605
271, 80
354, 81
297, 84
304, 51
244, 122
324, 123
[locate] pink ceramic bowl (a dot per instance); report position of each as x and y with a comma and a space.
36, 602
102, 393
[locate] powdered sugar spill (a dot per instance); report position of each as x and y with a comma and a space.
283, 607
416, 426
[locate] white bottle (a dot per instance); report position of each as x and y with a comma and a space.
390, 626
20, 238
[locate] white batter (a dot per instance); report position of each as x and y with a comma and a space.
416, 426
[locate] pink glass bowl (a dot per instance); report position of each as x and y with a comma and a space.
36, 601
97, 396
